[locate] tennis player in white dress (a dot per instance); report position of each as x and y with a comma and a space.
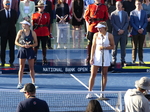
100, 56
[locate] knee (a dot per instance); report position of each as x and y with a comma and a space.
93, 75
31, 69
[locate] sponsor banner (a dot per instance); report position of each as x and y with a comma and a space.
62, 69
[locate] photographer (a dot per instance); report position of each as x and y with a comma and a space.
135, 101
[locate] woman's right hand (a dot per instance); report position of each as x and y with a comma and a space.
91, 61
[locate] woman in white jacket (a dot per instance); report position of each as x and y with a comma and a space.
26, 8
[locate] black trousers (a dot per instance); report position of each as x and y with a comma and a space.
42, 40
11, 42
137, 43
90, 37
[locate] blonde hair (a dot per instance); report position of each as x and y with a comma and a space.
104, 23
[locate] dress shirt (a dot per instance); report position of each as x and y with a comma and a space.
139, 14
6, 12
120, 15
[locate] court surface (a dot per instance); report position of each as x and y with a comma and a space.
66, 82
71, 82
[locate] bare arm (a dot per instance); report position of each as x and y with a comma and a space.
93, 47
17, 39
111, 40
35, 39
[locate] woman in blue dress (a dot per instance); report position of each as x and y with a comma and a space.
26, 39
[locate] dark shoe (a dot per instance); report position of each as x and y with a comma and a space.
113, 63
12, 65
50, 48
141, 63
133, 62
2, 65
44, 61
123, 63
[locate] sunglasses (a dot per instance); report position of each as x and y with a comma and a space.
7, 4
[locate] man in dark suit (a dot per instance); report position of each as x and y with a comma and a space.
119, 20
8, 18
138, 21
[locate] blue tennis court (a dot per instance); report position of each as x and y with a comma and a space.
64, 91
65, 82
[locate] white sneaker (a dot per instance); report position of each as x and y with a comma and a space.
19, 86
88, 96
58, 47
102, 96
65, 47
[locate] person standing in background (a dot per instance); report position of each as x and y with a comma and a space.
146, 7
128, 6
119, 20
48, 8
8, 19
62, 15
77, 21
94, 14
26, 8
41, 21
111, 7
138, 22
14, 4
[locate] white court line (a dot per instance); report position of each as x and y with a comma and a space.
57, 58
92, 90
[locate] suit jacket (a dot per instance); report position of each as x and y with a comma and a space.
7, 26
14, 5
136, 23
22, 13
117, 24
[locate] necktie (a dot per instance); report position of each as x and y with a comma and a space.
8, 14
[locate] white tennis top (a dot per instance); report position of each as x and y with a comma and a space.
102, 41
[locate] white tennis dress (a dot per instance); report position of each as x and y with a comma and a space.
102, 41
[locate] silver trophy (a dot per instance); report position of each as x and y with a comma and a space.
26, 42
